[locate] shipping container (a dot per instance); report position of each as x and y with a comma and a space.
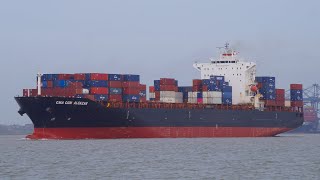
296, 86
131, 77
265, 79
156, 85
168, 87
296, 103
196, 82
212, 94
167, 81
142, 87
152, 95
61, 83
213, 87
130, 84
210, 100
99, 77
217, 78
151, 89
227, 89
269, 102
197, 88
115, 84
130, 91
208, 81
65, 76
96, 83
115, 90
227, 101
115, 97
131, 98
79, 76
115, 77
99, 90
101, 97
142, 94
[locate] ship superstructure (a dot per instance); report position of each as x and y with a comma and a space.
238, 73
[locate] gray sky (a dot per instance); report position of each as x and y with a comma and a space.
152, 38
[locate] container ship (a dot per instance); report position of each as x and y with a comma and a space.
228, 101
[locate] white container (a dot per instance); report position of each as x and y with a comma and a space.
167, 94
192, 100
85, 91
212, 94
287, 103
152, 95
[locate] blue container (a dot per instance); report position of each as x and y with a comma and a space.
152, 99
79, 96
226, 88
208, 82
199, 95
115, 90
44, 84
265, 79
101, 97
96, 83
227, 101
156, 85
268, 95
131, 77
143, 93
131, 98
227, 95
185, 89
213, 87
61, 83
115, 77
217, 78
49, 77
185, 95
88, 76
296, 95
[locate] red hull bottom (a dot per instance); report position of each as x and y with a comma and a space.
153, 132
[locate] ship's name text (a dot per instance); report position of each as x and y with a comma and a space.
79, 103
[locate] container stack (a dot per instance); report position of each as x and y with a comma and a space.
296, 95
166, 90
280, 97
267, 88
210, 91
152, 95
94, 86
185, 90
115, 87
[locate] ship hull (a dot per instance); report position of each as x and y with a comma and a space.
72, 118
153, 132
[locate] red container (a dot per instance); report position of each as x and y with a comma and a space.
115, 84
143, 99
65, 76
196, 88
269, 102
89, 96
167, 87
151, 89
142, 87
296, 103
204, 88
99, 76
76, 85
115, 97
25, 92
130, 84
99, 90
33, 92
197, 82
79, 91
79, 76
296, 86
167, 81
199, 100
280, 91
130, 91
280, 103
50, 84
157, 95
